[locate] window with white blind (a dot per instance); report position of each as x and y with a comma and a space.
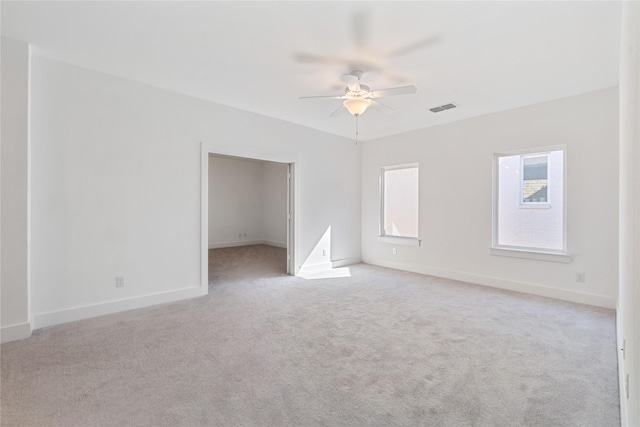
399, 203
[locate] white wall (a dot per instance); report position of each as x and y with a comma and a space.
116, 189
628, 315
235, 201
15, 207
274, 203
456, 197
247, 202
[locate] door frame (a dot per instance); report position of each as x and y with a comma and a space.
254, 153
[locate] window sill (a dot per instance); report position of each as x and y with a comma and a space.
535, 205
407, 241
531, 254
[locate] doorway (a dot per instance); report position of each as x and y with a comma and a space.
255, 204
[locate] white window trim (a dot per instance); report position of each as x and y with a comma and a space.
517, 252
534, 205
539, 254
396, 240
385, 238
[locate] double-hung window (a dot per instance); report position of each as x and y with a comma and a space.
399, 204
529, 201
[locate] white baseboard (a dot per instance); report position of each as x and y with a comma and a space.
85, 312
511, 285
246, 243
344, 262
276, 244
234, 244
15, 332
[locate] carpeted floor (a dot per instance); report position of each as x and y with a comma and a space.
373, 347
227, 265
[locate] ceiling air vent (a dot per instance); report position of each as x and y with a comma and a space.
444, 107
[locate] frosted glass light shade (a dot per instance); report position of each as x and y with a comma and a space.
356, 106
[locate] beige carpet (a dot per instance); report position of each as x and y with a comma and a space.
376, 348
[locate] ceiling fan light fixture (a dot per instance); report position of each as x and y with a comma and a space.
356, 106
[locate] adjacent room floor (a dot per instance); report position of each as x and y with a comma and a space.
371, 347
246, 262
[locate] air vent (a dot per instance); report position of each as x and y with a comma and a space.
444, 107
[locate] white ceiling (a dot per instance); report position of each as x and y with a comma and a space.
485, 56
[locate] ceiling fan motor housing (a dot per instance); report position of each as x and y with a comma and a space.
364, 92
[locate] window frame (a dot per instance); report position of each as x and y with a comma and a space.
541, 254
382, 236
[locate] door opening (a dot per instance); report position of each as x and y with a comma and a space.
256, 207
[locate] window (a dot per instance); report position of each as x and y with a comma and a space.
529, 201
535, 172
399, 202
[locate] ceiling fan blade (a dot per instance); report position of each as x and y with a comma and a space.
352, 82
381, 107
326, 97
361, 30
412, 47
402, 90
338, 111
321, 59
389, 75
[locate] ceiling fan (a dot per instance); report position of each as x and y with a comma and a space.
358, 97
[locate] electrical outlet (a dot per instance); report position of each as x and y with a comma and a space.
119, 281
324, 252
244, 234
239, 234
580, 277
394, 251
